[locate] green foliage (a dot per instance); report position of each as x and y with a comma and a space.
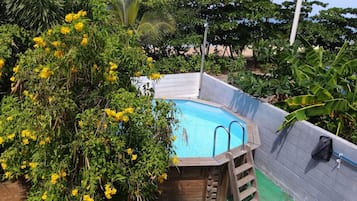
13, 40
153, 25
35, 15
331, 96
213, 64
75, 128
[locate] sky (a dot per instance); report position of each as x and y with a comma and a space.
331, 3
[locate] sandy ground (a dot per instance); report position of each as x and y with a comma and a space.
12, 191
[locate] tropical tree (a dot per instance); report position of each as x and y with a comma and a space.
34, 15
152, 26
331, 99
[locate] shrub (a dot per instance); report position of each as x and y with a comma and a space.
75, 128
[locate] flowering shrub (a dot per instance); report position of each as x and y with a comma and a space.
75, 128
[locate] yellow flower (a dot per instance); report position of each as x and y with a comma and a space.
65, 30
51, 99
63, 173
175, 160
109, 191
1, 140
47, 50
150, 65
39, 41
12, 79
10, 118
27, 176
44, 196
33, 165
173, 138
111, 77
58, 53
54, 178
130, 32
16, 69
79, 26
47, 139
11, 136
134, 157
49, 32
45, 73
129, 110
82, 13
162, 178
74, 192
3, 165
84, 41
113, 66
129, 151
2, 63
56, 43
76, 16
7, 175
155, 76
25, 141
149, 59
42, 142
69, 17
87, 198
137, 74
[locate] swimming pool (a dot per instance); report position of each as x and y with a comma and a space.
198, 175
197, 125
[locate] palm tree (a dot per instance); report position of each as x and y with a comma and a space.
34, 15
152, 26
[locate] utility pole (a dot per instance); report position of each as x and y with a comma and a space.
203, 52
295, 22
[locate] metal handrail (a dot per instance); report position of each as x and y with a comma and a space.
243, 128
214, 140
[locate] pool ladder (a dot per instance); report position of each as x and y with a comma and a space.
242, 176
228, 131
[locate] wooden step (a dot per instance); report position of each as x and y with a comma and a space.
247, 192
245, 180
242, 168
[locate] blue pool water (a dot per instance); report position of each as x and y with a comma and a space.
195, 132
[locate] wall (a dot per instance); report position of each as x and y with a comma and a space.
286, 156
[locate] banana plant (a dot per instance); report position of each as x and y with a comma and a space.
331, 91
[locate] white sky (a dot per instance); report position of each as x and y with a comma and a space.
331, 3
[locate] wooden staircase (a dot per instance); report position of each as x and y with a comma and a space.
242, 176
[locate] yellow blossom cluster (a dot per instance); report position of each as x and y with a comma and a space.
55, 176
65, 30
44, 196
112, 75
155, 76
56, 43
84, 41
45, 73
26, 135
162, 178
87, 198
74, 16
79, 26
2, 63
1, 140
39, 42
33, 165
74, 192
131, 153
119, 116
31, 96
45, 141
109, 191
16, 69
